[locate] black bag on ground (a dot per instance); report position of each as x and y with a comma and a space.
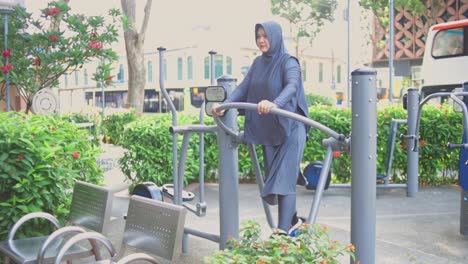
312, 174
148, 190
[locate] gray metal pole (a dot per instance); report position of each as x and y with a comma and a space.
313, 213
363, 163
170, 105
348, 59
201, 205
212, 67
228, 172
7, 74
413, 156
391, 49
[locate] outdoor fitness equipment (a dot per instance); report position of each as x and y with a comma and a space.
463, 158
363, 153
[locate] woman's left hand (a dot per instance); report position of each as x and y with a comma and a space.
264, 106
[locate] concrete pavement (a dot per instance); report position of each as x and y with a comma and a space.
424, 229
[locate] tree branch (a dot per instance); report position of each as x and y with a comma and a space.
145, 19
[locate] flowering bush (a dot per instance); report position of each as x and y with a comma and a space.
40, 158
312, 245
57, 43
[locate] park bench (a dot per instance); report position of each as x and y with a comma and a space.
90, 210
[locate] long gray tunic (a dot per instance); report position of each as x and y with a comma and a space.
275, 76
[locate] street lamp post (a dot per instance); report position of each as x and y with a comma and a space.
6, 7
391, 50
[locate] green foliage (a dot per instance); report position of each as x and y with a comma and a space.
306, 18
40, 158
312, 245
150, 146
113, 126
94, 119
40, 50
380, 8
149, 150
314, 99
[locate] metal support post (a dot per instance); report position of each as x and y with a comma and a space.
413, 156
169, 105
391, 50
7, 74
364, 163
228, 172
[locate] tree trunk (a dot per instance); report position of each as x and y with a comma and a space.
134, 45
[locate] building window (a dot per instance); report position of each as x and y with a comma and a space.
121, 74
229, 65
150, 71
189, 68
320, 77
338, 74
304, 71
76, 78
207, 68
165, 69
218, 65
85, 76
180, 66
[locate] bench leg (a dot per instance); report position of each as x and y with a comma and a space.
95, 250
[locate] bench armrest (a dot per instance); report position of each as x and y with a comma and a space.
58, 233
28, 217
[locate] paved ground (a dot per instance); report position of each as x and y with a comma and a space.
424, 229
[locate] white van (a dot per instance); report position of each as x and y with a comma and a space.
445, 62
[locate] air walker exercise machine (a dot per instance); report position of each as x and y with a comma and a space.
460, 99
363, 154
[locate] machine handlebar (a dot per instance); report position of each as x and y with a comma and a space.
457, 146
280, 112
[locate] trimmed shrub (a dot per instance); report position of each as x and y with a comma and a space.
437, 165
113, 126
41, 157
95, 119
314, 99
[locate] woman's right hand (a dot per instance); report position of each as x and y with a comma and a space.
214, 111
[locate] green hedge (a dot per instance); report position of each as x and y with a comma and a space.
113, 126
150, 146
40, 158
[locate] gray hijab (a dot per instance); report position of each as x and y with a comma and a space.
266, 82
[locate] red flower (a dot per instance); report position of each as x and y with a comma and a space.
37, 62
53, 38
7, 68
20, 157
6, 53
109, 80
422, 142
93, 35
336, 154
95, 45
351, 247
76, 155
404, 144
53, 11
324, 261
